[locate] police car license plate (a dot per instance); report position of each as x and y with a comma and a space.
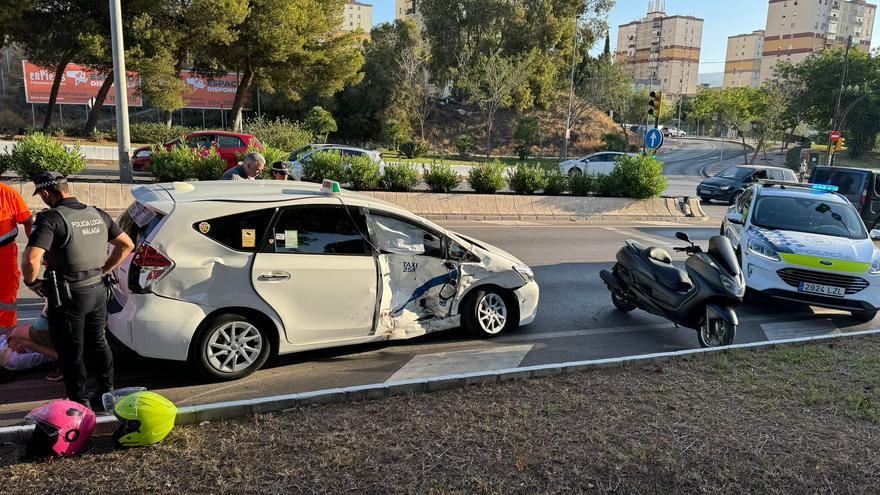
824, 290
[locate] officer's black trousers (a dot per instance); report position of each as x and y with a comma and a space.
77, 331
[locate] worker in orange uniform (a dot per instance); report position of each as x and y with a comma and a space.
13, 211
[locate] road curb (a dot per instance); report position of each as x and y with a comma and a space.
287, 402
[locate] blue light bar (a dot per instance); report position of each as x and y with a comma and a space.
824, 187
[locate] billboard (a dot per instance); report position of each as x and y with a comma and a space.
78, 85
211, 94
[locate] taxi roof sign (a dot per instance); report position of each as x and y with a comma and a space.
330, 187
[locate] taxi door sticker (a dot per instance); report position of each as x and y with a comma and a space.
248, 238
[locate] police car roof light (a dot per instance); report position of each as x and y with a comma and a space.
330, 187
824, 187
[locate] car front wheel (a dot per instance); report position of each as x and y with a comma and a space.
489, 312
574, 172
231, 347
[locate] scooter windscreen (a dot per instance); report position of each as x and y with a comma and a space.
722, 251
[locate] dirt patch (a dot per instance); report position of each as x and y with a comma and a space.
792, 420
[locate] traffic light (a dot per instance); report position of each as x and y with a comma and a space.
654, 103
840, 145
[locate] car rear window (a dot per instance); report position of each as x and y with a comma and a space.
848, 182
241, 232
139, 221
230, 142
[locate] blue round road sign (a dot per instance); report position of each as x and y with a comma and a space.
653, 139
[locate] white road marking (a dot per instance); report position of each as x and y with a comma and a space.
469, 361
640, 236
797, 329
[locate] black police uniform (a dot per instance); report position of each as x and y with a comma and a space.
75, 238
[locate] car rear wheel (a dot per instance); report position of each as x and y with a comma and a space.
489, 312
574, 172
232, 347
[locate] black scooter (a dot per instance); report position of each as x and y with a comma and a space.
702, 297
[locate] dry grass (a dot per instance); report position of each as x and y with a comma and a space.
793, 420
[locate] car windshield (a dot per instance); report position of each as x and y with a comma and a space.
812, 215
735, 173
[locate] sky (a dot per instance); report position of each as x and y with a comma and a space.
722, 18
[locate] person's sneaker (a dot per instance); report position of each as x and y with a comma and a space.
55, 375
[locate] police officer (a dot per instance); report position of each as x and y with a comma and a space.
73, 237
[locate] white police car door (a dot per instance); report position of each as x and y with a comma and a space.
318, 272
419, 284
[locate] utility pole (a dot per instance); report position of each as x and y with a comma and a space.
834, 120
570, 91
121, 82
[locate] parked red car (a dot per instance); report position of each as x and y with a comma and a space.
227, 144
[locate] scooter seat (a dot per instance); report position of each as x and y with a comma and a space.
661, 264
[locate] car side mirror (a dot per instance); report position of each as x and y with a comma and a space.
736, 218
875, 234
682, 236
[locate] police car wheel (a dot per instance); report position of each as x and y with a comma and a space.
864, 316
231, 347
489, 312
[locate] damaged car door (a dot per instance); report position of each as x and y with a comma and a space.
419, 283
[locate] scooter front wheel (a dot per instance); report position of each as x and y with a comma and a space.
621, 304
716, 333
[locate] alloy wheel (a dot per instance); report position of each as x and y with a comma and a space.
492, 313
234, 347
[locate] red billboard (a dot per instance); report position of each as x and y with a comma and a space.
78, 85
211, 94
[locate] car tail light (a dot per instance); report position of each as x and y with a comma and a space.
150, 266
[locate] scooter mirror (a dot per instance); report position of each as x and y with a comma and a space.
682, 236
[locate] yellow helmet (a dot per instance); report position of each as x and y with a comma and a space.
144, 418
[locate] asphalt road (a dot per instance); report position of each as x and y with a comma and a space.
576, 320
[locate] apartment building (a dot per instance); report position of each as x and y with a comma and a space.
357, 15
662, 51
407, 9
798, 28
742, 67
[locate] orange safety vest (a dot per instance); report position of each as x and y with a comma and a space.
13, 211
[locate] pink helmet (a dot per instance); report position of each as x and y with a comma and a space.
62, 428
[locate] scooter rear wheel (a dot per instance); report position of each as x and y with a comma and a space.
622, 304
716, 333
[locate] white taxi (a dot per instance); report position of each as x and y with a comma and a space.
806, 243
225, 274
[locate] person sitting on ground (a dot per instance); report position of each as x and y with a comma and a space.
249, 169
34, 338
280, 171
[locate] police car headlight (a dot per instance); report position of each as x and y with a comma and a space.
525, 272
763, 250
875, 267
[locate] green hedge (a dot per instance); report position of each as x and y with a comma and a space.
286, 135
324, 165
400, 177
638, 177
176, 164
362, 173
441, 178
527, 179
152, 133
38, 152
555, 183
487, 178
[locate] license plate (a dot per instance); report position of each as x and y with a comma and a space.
825, 290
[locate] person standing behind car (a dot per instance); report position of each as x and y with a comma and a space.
249, 169
74, 237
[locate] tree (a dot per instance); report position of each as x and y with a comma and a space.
603, 86
606, 52
364, 108
462, 31
526, 135
320, 122
289, 47
736, 108
817, 81
414, 81
54, 32
167, 33
491, 84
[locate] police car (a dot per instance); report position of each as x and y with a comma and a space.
805, 243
